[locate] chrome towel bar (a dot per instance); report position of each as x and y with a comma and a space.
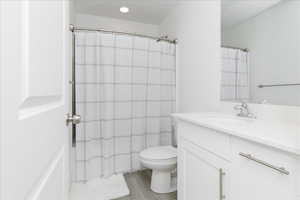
278, 85
279, 169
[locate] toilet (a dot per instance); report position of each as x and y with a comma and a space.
162, 160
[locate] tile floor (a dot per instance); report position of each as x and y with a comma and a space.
139, 186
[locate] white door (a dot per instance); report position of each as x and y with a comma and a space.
34, 67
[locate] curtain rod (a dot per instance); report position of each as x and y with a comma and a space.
230, 47
74, 28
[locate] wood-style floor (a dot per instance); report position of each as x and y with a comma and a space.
139, 186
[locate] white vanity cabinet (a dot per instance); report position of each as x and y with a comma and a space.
254, 180
213, 165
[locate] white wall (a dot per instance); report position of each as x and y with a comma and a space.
1, 102
197, 27
91, 21
273, 38
72, 11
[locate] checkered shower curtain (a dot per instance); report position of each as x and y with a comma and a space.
235, 85
125, 92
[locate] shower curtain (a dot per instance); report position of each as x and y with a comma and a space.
125, 92
235, 75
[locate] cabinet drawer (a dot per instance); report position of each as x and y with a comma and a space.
255, 177
210, 140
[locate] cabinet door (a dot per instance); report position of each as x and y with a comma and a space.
202, 175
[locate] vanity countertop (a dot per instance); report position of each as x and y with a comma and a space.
280, 135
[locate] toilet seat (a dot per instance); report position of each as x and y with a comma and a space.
159, 153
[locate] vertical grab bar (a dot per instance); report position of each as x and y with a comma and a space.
221, 188
73, 86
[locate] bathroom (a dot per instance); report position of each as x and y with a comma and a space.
149, 100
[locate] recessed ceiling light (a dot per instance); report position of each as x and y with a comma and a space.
124, 9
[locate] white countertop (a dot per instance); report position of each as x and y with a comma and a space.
280, 135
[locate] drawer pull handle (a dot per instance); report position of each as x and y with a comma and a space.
279, 169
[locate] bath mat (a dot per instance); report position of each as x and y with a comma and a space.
100, 189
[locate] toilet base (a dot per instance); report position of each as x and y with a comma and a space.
162, 182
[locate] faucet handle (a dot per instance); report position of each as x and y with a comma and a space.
238, 107
241, 106
244, 104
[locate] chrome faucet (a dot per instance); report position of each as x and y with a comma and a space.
244, 110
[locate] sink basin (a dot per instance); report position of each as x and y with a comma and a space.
229, 120
223, 119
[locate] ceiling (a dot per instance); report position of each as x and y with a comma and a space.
237, 11
144, 11
154, 11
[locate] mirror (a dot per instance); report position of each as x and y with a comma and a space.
261, 51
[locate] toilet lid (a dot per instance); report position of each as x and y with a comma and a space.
159, 153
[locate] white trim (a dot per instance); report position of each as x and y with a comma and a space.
1, 106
